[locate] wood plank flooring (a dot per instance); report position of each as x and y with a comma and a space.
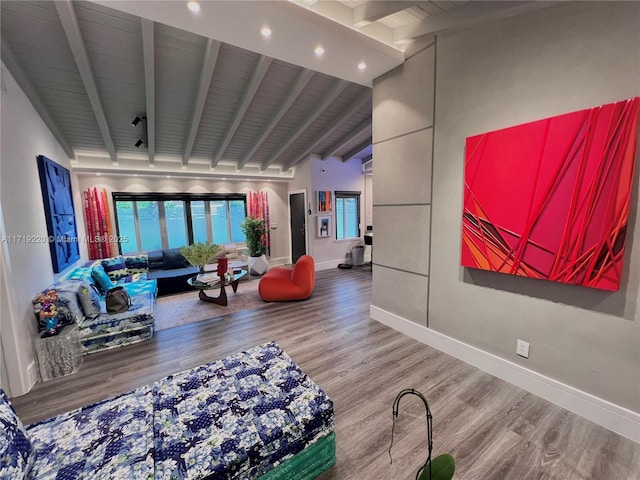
495, 430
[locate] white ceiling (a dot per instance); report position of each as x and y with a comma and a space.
219, 98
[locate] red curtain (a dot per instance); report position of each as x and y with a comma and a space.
259, 208
98, 224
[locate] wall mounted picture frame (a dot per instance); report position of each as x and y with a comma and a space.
550, 199
324, 226
324, 201
55, 182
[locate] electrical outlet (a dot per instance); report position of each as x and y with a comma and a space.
522, 348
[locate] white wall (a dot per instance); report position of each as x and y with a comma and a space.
26, 266
332, 175
585, 343
276, 191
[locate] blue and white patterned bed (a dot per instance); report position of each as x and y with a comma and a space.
242, 417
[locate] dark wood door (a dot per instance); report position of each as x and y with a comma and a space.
298, 226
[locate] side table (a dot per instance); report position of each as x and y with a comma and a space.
59, 355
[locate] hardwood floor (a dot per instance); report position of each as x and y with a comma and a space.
493, 429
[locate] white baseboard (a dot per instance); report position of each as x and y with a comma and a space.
606, 414
328, 265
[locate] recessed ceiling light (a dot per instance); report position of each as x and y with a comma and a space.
168, 176
193, 6
266, 32
98, 174
224, 178
362, 65
135, 174
319, 51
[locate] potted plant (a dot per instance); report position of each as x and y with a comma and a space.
255, 230
200, 253
443, 466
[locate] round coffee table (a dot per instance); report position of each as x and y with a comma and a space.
216, 282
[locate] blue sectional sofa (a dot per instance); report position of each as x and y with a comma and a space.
81, 304
253, 415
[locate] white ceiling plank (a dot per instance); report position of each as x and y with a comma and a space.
342, 117
256, 79
337, 89
71, 29
372, 11
348, 138
301, 82
148, 53
206, 74
30, 91
356, 150
472, 13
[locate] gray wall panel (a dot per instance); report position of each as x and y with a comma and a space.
403, 97
403, 169
401, 293
402, 237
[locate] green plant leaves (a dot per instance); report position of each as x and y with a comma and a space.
442, 468
199, 253
254, 229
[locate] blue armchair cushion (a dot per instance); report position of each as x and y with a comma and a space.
115, 267
89, 299
16, 451
102, 279
172, 258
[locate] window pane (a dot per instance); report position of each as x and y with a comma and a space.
238, 214
351, 217
347, 216
219, 221
199, 221
339, 218
126, 226
176, 226
149, 222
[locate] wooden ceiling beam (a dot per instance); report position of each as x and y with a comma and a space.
348, 138
356, 150
371, 11
148, 53
71, 29
300, 83
27, 86
256, 79
339, 86
472, 13
342, 117
206, 74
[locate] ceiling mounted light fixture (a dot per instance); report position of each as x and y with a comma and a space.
362, 66
141, 119
194, 6
319, 51
265, 32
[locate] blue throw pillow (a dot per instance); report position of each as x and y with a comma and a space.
16, 452
102, 279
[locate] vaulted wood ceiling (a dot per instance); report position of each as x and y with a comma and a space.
210, 107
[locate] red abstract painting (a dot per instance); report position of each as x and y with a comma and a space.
550, 199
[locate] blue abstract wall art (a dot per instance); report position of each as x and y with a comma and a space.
55, 181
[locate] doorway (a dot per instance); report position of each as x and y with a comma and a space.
298, 223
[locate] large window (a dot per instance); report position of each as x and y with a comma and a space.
347, 215
155, 221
